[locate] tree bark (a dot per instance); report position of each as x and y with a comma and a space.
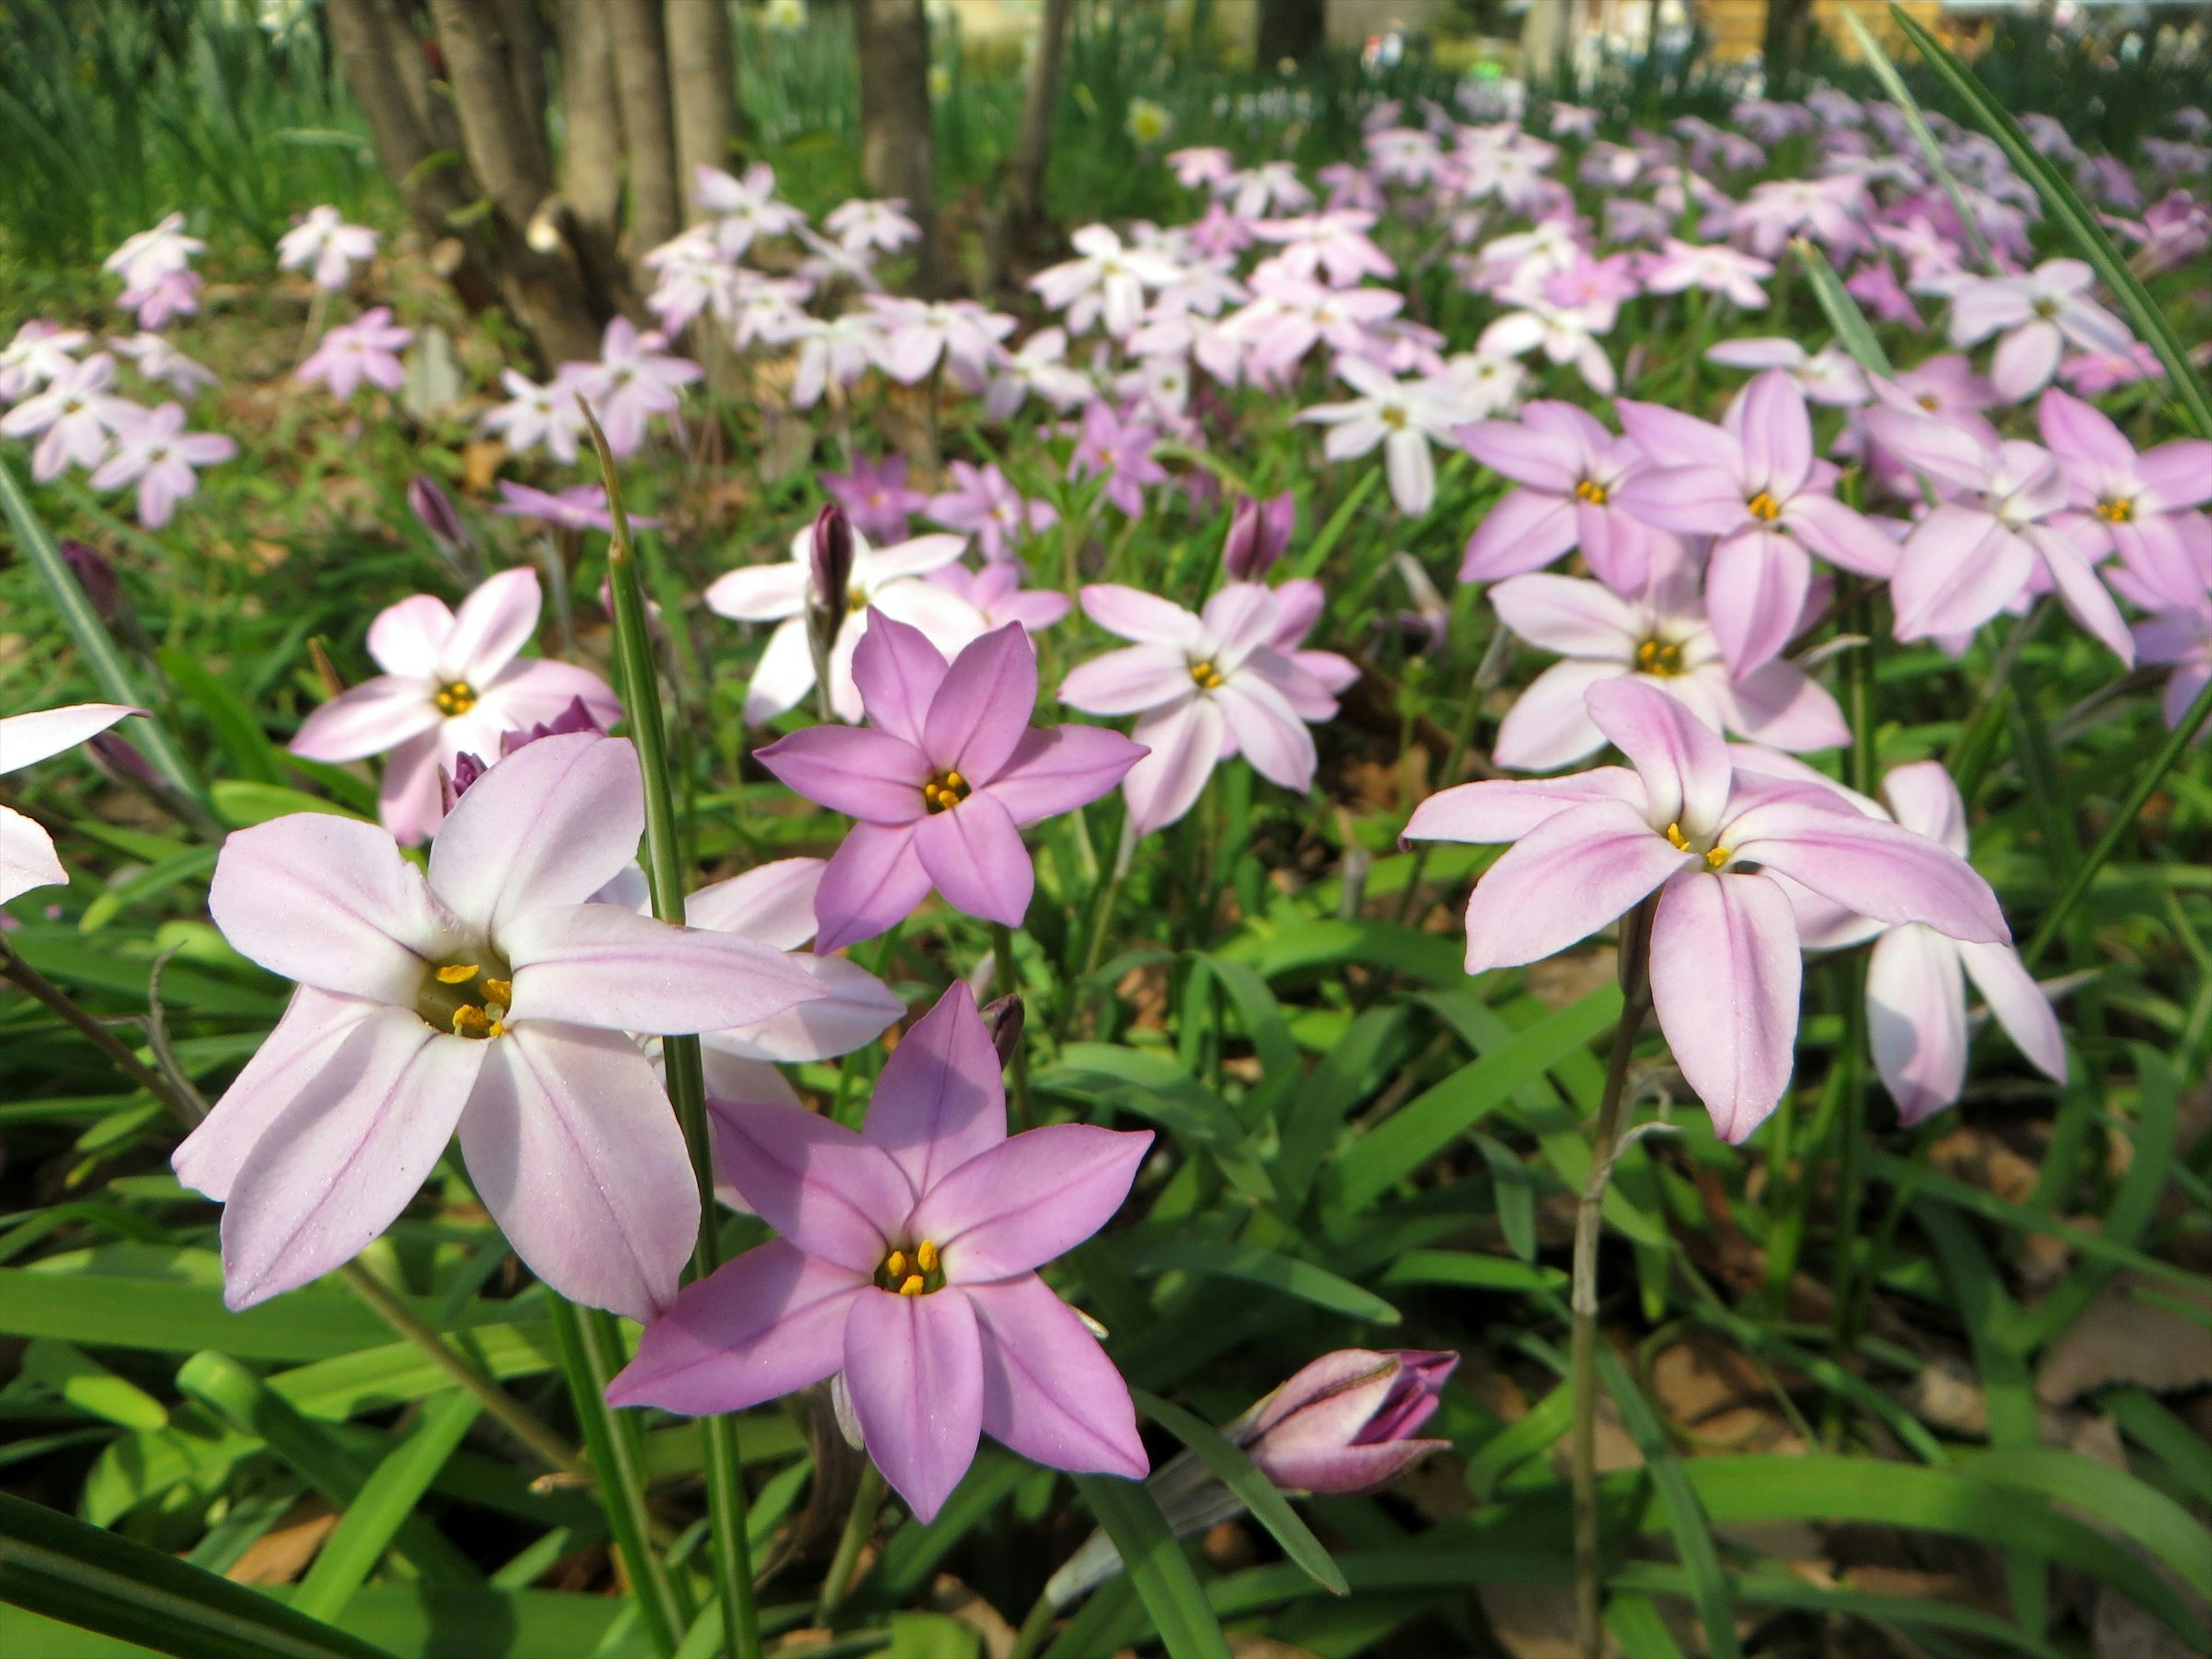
591, 156
1544, 39
1025, 210
898, 151
640, 55
1291, 28
703, 82
1788, 24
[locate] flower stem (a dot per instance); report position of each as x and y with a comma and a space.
639, 681
42, 990
1968, 757
860, 1522
1102, 921
1636, 1000
1034, 1630
1002, 950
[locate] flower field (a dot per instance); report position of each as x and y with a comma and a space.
1435, 882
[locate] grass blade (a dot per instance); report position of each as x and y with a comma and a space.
386, 1501
57, 1565
1156, 1566
1843, 314
1288, 1274
1884, 71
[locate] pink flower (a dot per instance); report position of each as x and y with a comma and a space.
1709, 839
162, 364
943, 780
875, 496
1040, 367
1202, 687
1291, 314
1119, 447
860, 225
1568, 468
1754, 484
1827, 376
1200, 165
1335, 244
2179, 640
1831, 211
1346, 1423
1715, 267
745, 209
324, 243
2135, 503
39, 352
907, 1269
453, 683
1874, 285
27, 851
74, 413
917, 335
578, 507
998, 597
986, 507
1977, 551
634, 381
1660, 637
145, 258
154, 451
1404, 417
363, 350
535, 414
2038, 314
489, 998
167, 298
1106, 281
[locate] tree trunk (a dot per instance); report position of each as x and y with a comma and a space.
1544, 40
1024, 209
897, 154
1291, 28
1788, 24
591, 157
702, 80
640, 54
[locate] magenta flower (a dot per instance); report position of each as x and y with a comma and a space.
2134, 503
997, 593
988, 507
1709, 839
453, 683
365, 348
1661, 637
1992, 540
943, 780
2180, 640
487, 998
1568, 468
1202, 687
2038, 314
875, 496
154, 451
907, 1269
27, 851
1754, 484
1346, 1423
1121, 448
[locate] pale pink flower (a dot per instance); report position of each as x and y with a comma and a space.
169, 296
1332, 244
154, 451
634, 380
860, 225
40, 351
144, 259
578, 507
2179, 640
1040, 367
1827, 376
161, 364
1105, 282
982, 504
27, 851
998, 597
1200, 165
836, 351
2038, 315
535, 415
1567, 467
1714, 266
917, 335
2134, 503
744, 208
365, 348
73, 416
326, 245
1404, 417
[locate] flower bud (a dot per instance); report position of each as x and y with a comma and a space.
1003, 1018
1258, 532
1345, 1423
120, 758
830, 566
452, 785
573, 719
435, 510
95, 575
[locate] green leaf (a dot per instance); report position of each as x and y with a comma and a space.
1156, 1565
1433, 1120
1843, 311
90, 1386
235, 728
384, 1504
1156, 1087
1465, 1270
141, 1313
243, 803
1241, 1475
58, 1566
2179, 1448
2132, 1508
1692, 1530
194, 864
1220, 1259
2080, 221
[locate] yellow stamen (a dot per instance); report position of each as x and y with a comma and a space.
500, 991
1660, 657
1590, 490
2118, 509
1676, 839
1395, 418
1716, 857
457, 973
470, 1021
1763, 506
924, 1256
1206, 676
912, 1285
455, 698
946, 790
895, 1264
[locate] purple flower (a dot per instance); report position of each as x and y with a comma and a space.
2135, 503
1345, 1423
27, 851
1715, 841
452, 684
875, 497
580, 507
1568, 468
997, 593
365, 349
988, 507
907, 1269
490, 1000
2038, 314
154, 451
1121, 448
942, 780
1259, 531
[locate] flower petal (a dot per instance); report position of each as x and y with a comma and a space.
975, 856
600, 965
367, 719
1525, 530
772, 902
493, 624
575, 1152
407, 638
913, 1365
1563, 881
552, 823
1136, 614
1872, 867
1682, 761
816, 1182
1269, 731
1129, 681
1568, 614
1049, 1391
1057, 771
853, 1010
1186, 740
2018, 1003
763, 1326
873, 880
1012, 1208
983, 706
898, 671
1725, 972
1756, 586
27, 859
874, 776
1506, 809
1915, 1000
26, 738
1549, 724
1958, 569
940, 1101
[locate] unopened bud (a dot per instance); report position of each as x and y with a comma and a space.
120, 758
830, 566
452, 785
435, 510
1003, 1017
95, 575
1259, 531
573, 719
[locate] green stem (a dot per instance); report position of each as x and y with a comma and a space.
42, 990
860, 1524
1969, 755
590, 1352
1636, 994
1002, 950
98, 650
1034, 1630
2147, 782
640, 685
1487, 673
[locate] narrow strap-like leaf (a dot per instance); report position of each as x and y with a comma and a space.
1156, 1566
387, 1499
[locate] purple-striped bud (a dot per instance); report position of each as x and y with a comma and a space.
1003, 1017
452, 785
435, 510
120, 758
1258, 532
1346, 1423
95, 575
830, 566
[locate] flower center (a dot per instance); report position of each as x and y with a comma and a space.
1590, 490
855, 598
945, 792
2116, 509
916, 1271
1763, 506
1928, 401
1660, 657
1206, 676
1395, 418
455, 697
2046, 309
1715, 856
469, 999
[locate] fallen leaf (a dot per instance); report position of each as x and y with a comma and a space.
2123, 1335
282, 1554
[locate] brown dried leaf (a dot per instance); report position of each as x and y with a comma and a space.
2125, 1336
282, 1554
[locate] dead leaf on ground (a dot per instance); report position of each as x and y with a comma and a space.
2125, 1336
1978, 1158
282, 1554
1245, 1645
1947, 1396
949, 1596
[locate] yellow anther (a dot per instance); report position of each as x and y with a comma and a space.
912, 1285
1716, 857
1395, 418
1764, 506
500, 991
456, 697
1590, 490
895, 1264
946, 789
1660, 657
470, 1021
924, 1256
856, 599
457, 973
955, 782
2118, 509
1676, 839
1206, 676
